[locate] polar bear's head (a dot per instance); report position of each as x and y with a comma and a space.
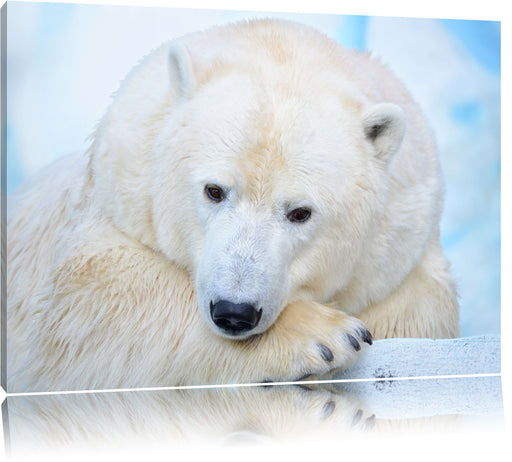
266, 175
270, 183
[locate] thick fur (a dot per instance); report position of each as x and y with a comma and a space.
114, 257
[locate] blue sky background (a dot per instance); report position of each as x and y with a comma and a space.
65, 60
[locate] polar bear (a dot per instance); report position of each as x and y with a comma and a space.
256, 204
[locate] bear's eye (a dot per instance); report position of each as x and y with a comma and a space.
214, 192
299, 215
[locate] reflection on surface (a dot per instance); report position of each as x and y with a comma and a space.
240, 415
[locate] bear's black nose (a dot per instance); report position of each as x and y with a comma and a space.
234, 318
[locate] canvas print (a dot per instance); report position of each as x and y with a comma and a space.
260, 198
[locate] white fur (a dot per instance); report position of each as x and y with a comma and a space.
113, 262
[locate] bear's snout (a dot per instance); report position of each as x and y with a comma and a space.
234, 318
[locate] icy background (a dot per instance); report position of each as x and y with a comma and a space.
65, 60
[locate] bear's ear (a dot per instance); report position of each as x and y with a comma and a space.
181, 71
384, 126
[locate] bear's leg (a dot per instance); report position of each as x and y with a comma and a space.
127, 317
424, 305
308, 339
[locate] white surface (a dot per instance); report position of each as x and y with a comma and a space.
394, 359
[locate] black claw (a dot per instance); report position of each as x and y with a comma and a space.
357, 417
303, 387
370, 422
326, 353
328, 409
354, 342
366, 336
